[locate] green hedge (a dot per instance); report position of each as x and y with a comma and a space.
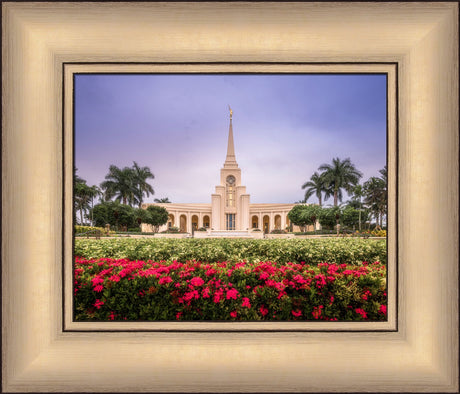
310, 251
85, 229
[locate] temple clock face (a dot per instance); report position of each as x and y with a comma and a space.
230, 179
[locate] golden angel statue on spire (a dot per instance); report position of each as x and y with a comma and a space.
231, 112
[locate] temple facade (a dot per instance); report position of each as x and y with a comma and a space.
230, 209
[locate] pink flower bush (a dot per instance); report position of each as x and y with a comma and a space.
164, 280
120, 289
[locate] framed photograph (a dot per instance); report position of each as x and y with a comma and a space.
186, 152
46, 44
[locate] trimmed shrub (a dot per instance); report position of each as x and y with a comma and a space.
91, 229
311, 251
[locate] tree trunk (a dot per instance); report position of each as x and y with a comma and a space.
335, 198
81, 217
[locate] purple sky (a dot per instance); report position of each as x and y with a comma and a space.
284, 126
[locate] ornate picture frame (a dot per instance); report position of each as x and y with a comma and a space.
421, 38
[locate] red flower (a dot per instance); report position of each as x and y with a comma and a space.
317, 311
218, 296
191, 295
164, 280
263, 275
205, 292
98, 304
297, 313
97, 280
232, 294
263, 310
178, 315
197, 281
233, 314
383, 309
361, 312
98, 288
246, 303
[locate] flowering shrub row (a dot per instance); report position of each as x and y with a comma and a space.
311, 251
111, 289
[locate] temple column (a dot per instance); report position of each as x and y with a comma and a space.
215, 211
244, 213
283, 220
189, 222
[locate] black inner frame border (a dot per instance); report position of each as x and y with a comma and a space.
264, 330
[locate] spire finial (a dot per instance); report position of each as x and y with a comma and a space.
230, 161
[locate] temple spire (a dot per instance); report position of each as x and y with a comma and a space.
230, 161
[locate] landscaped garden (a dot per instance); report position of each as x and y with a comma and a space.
332, 279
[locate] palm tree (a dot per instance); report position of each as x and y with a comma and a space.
376, 197
162, 200
384, 173
141, 174
80, 198
120, 183
93, 191
341, 174
84, 194
358, 194
316, 185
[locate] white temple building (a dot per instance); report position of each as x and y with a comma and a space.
230, 209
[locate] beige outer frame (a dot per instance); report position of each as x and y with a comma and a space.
421, 356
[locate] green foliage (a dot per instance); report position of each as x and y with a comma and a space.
304, 215
375, 193
164, 200
328, 217
156, 216
277, 231
86, 229
127, 185
310, 251
317, 185
83, 197
114, 213
338, 176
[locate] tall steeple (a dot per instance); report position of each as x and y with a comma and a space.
230, 161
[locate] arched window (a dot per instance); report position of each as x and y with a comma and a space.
195, 222
170, 221
277, 222
206, 221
